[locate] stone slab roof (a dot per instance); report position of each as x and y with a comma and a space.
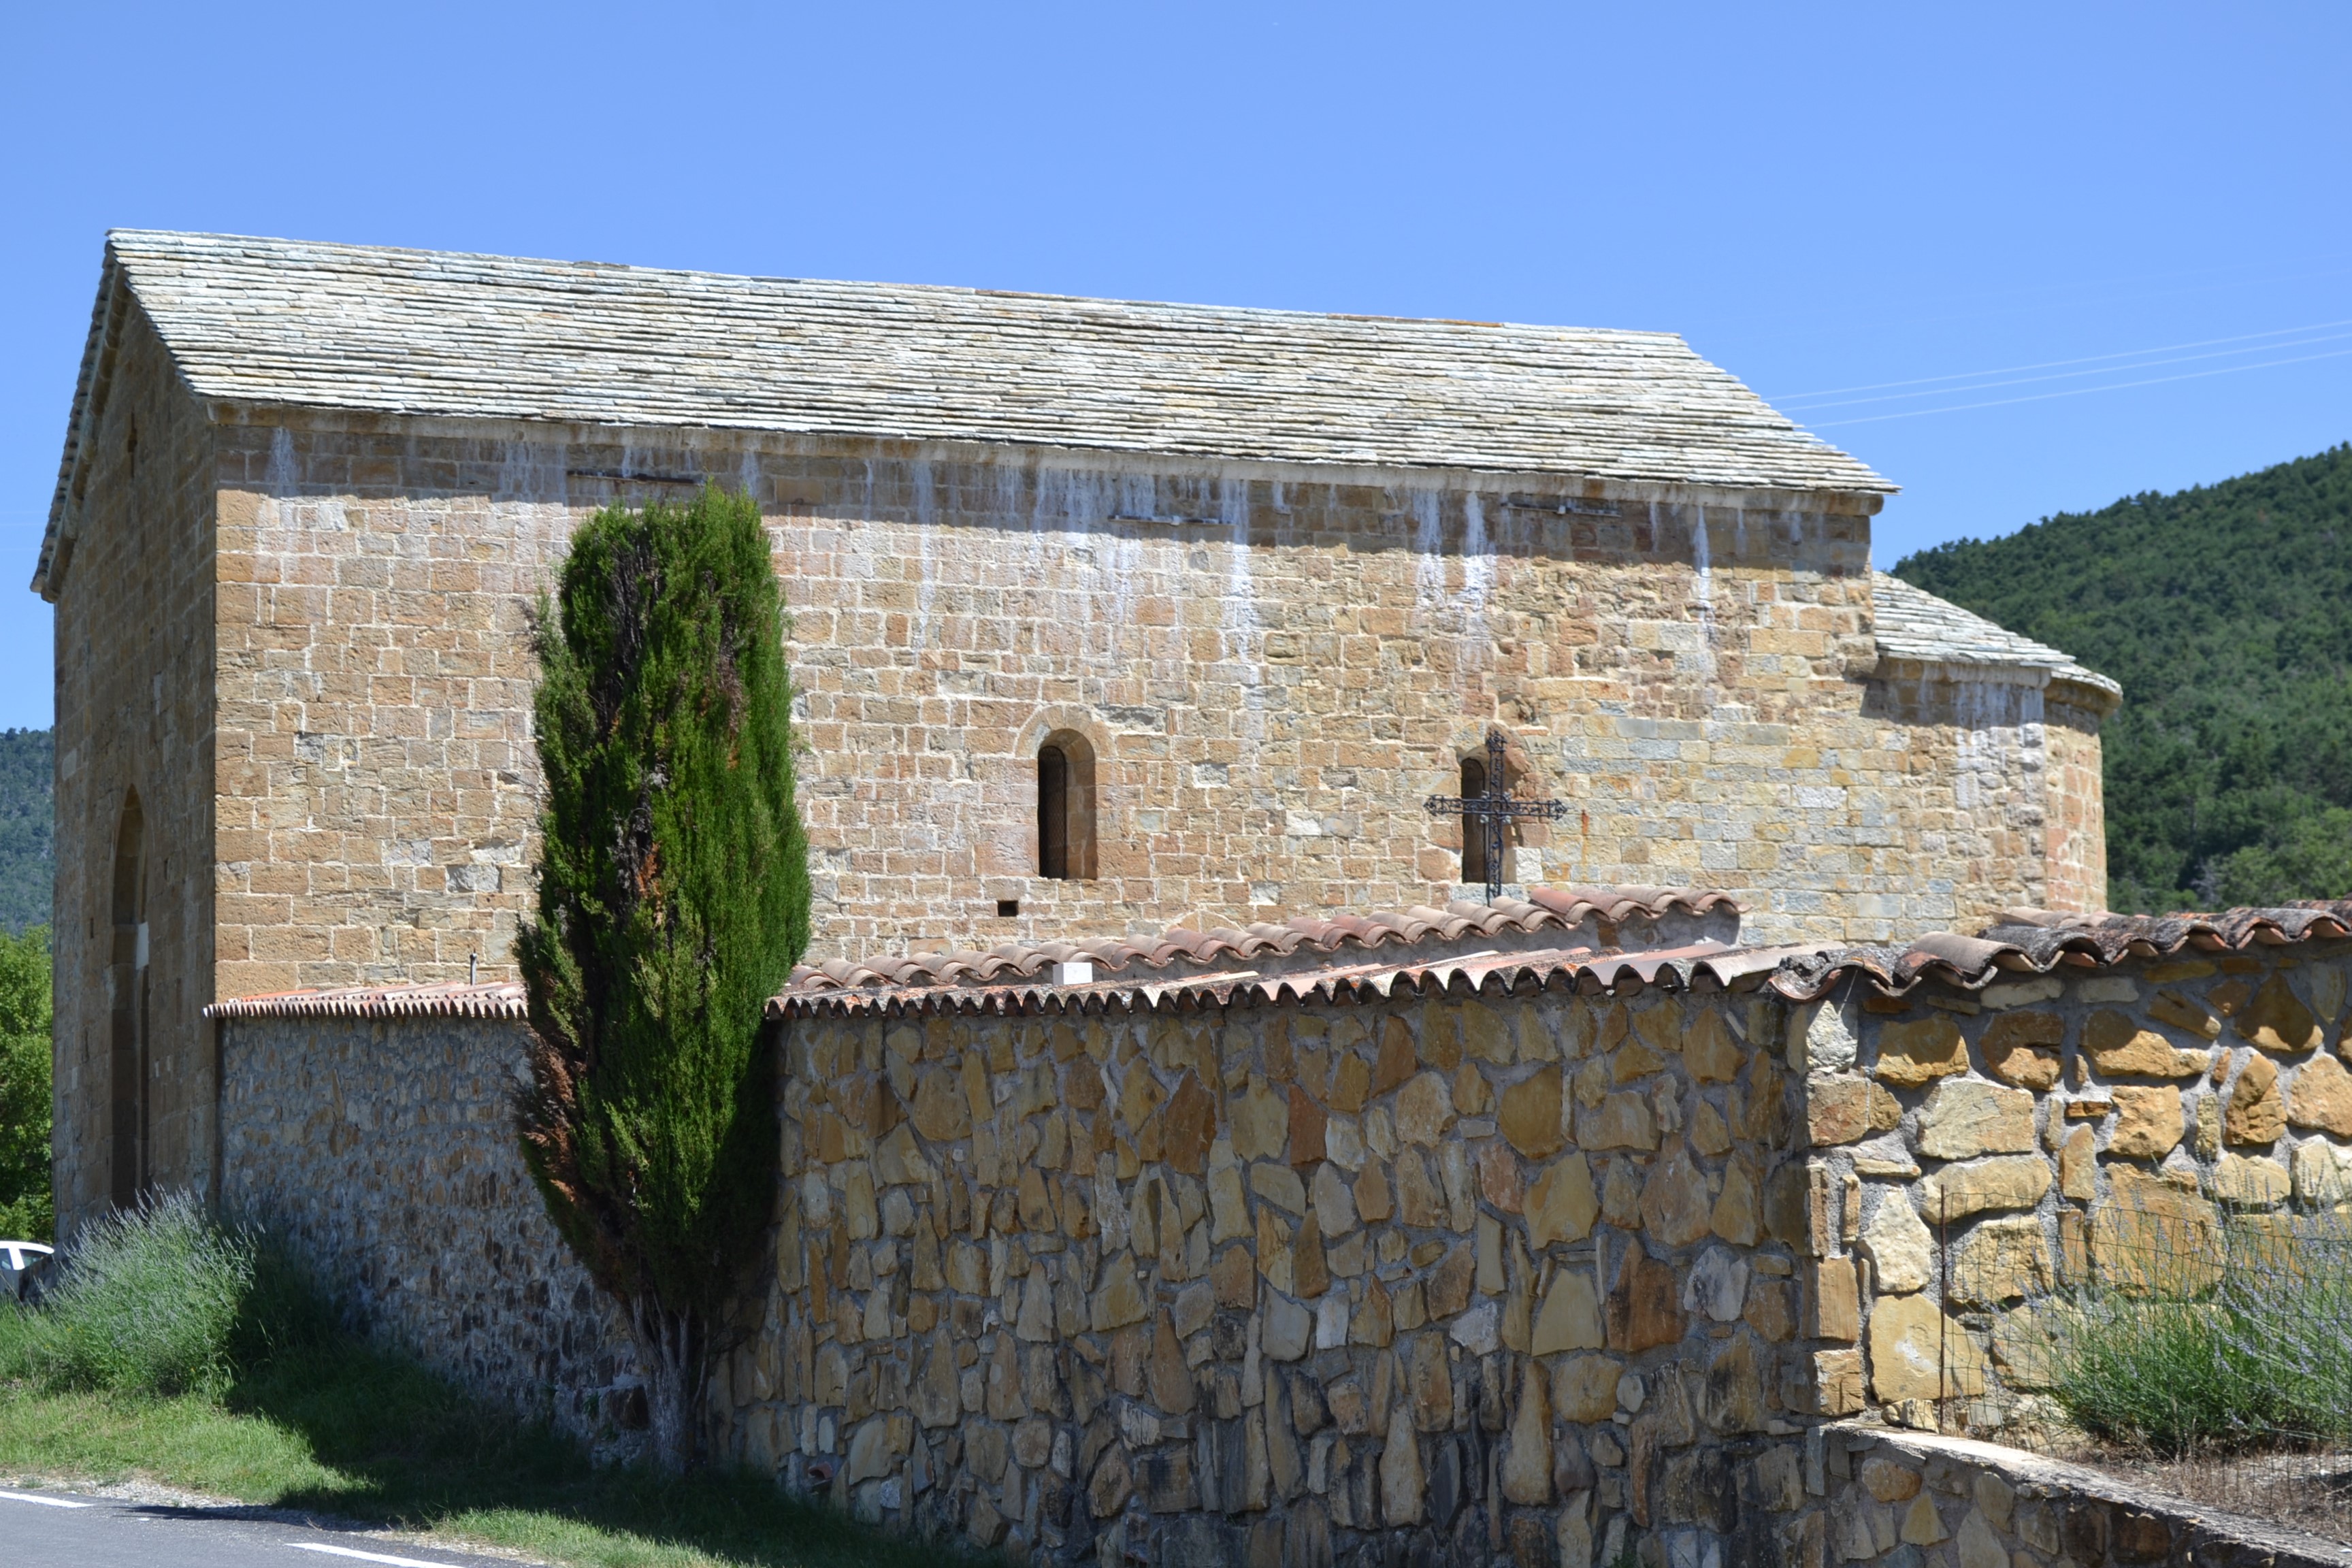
1914, 623
290, 323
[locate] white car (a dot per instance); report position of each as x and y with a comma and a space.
21, 1263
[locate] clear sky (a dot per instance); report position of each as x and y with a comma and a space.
1819, 197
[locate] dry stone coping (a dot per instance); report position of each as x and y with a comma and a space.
2098, 1507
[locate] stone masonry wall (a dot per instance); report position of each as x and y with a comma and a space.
134, 715
2005, 773
1976, 1151
1273, 667
1451, 1278
2075, 827
385, 1152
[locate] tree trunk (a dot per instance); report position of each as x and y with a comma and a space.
670, 1351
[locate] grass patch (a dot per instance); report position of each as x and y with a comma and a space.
303, 1415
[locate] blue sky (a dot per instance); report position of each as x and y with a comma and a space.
1819, 197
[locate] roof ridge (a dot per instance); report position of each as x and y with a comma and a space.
972, 289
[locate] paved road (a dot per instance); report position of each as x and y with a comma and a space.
66, 1530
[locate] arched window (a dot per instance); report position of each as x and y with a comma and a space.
127, 1066
1473, 828
1066, 808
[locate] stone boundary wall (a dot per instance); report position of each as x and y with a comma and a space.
1553, 1275
1916, 1501
384, 1152
1976, 1151
1451, 1278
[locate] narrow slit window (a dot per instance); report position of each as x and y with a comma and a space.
1473, 828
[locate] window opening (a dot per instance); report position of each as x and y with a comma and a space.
1066, 808
1474, 829
1052, 812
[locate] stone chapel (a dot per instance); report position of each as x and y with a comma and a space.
1107, 617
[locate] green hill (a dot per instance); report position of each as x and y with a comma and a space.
2226, 611
28, 812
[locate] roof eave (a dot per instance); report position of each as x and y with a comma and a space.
90, 387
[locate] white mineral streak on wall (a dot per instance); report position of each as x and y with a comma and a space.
530, 474
1242, 640
281, 462
1705, 588
1998, 757
1988, 737
927, 523
1477, 560
1455, 615
1428, 558
1138, 497
284, 508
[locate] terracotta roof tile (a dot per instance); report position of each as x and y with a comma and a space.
2036, 942
1426, 961
503, 1000
1185, 953
1484, 972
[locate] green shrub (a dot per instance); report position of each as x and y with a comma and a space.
673, 901
2258, 1354
2152, 1374
148, 1301
25, 1212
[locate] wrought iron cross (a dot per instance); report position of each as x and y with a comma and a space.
1492, 812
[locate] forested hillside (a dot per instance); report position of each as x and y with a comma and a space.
2226, 611
28, 809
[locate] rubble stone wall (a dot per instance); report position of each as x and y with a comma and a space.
1976, 1151
385, 1152
1456, 1278
1549, 1277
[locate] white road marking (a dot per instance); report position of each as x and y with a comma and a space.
44, 1501
367, 1556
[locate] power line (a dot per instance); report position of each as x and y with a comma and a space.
2071, 374
2054, 363
2055, 295
2082, 391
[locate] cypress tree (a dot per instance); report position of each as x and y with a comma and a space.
673, 901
